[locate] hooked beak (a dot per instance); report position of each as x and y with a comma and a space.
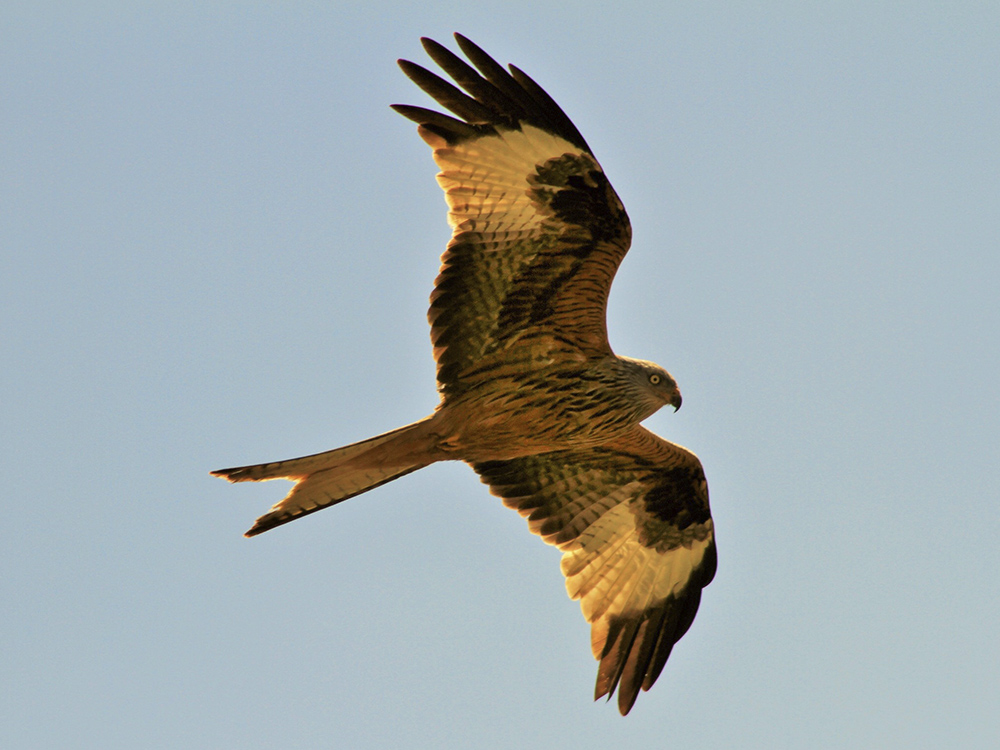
676, 401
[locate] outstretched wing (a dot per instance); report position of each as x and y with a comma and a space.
538, 230
633, 522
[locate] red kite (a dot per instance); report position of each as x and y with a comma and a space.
532, 396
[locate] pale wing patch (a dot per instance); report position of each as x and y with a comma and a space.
612, 573
486, 180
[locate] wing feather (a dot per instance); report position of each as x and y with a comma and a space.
502, 102
448, 95
633, 521
538, 231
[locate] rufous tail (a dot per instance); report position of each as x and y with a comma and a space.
324, 479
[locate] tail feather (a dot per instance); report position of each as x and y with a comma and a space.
324, 479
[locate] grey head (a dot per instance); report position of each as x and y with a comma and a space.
650, 385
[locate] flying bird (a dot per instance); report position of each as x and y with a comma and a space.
531, 395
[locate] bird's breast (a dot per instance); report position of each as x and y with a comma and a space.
533, 413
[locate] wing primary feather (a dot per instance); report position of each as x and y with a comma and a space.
446, 94
635, 666
669, 634
532, 98
621, 637
506, 110
687, 609
454, 128
545, 103
496, 74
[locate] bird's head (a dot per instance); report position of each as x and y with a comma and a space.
657, 386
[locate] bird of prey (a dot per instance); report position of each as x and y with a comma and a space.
531, 395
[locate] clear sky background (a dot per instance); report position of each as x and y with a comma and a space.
216, 247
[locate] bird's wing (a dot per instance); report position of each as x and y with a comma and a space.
538, 230
633, 521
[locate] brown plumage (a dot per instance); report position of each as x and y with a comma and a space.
532, 396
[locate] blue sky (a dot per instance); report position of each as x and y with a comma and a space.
216, 247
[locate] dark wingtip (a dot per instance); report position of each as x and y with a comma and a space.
626, 701
406, 66
410, 68
463, 41
430, 46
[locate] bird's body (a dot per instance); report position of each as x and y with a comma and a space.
528, 412
532, 396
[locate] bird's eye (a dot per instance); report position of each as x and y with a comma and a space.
655, 379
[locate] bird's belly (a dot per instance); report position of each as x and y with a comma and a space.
510, 420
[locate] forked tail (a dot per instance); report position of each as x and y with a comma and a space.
324, 479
